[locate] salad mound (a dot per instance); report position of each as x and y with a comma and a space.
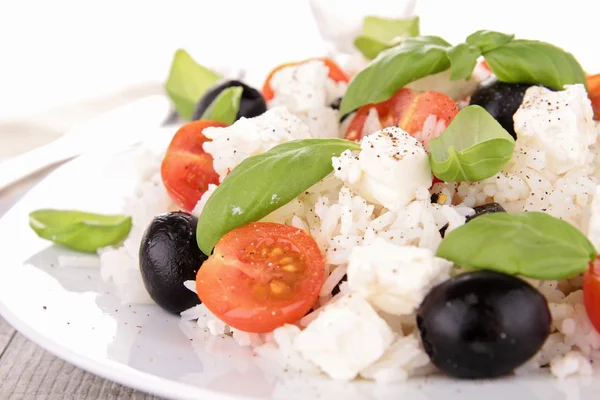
436, 210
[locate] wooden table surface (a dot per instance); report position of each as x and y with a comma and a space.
26, 370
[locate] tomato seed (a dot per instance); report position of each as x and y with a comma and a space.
278, 287
289, 268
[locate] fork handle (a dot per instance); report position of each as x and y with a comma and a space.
16, 168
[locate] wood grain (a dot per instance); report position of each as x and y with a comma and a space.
6, 334
29, 372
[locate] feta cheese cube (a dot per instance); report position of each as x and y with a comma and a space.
403, 357
395, 278
390, 169
559, 123
345, 338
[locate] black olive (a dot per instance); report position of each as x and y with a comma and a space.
501, 100
252, 103
489, 208
336, 288
169, 256
479, 210
483, 324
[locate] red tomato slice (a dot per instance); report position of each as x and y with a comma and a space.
335, 73
187, 169
262, 276
485, 66
407, 109
593, 84
591, 293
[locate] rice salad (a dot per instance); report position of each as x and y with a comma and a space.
357, 226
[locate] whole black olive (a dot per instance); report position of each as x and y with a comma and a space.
501, 100
252, 103
489, 208
169, 256
483, 324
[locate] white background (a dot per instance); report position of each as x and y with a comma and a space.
56, 52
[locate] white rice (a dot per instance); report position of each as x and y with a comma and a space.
339, 220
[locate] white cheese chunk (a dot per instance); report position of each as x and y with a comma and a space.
559, 123
395, 278
390, 169
345, 338
230, 145
403, 357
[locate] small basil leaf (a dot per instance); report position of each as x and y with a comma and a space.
463, 58
393, 68
539, 63
379, 34
488, 40
81, 231
225, 106
473, 147
261, 184
187, 82
532, 244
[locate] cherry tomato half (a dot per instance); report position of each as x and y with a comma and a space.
262, 276
187, 169
593, 84
335, 73
407, 109
591, 293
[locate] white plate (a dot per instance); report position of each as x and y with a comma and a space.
72, 313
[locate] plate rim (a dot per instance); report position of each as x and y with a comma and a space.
106, 369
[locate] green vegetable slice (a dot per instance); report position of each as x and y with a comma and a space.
488, 40
379, 34
78, 230
187, 82
473, 147
394, 68
532, 244
539, 63
225, 106
261, 184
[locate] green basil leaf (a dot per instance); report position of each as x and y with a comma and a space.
187, 82
539, 63
532, 244
371, 47
379, 34
225, 106
473, 147
263, 183
463, 58
488, 40
81, 231
412, 59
